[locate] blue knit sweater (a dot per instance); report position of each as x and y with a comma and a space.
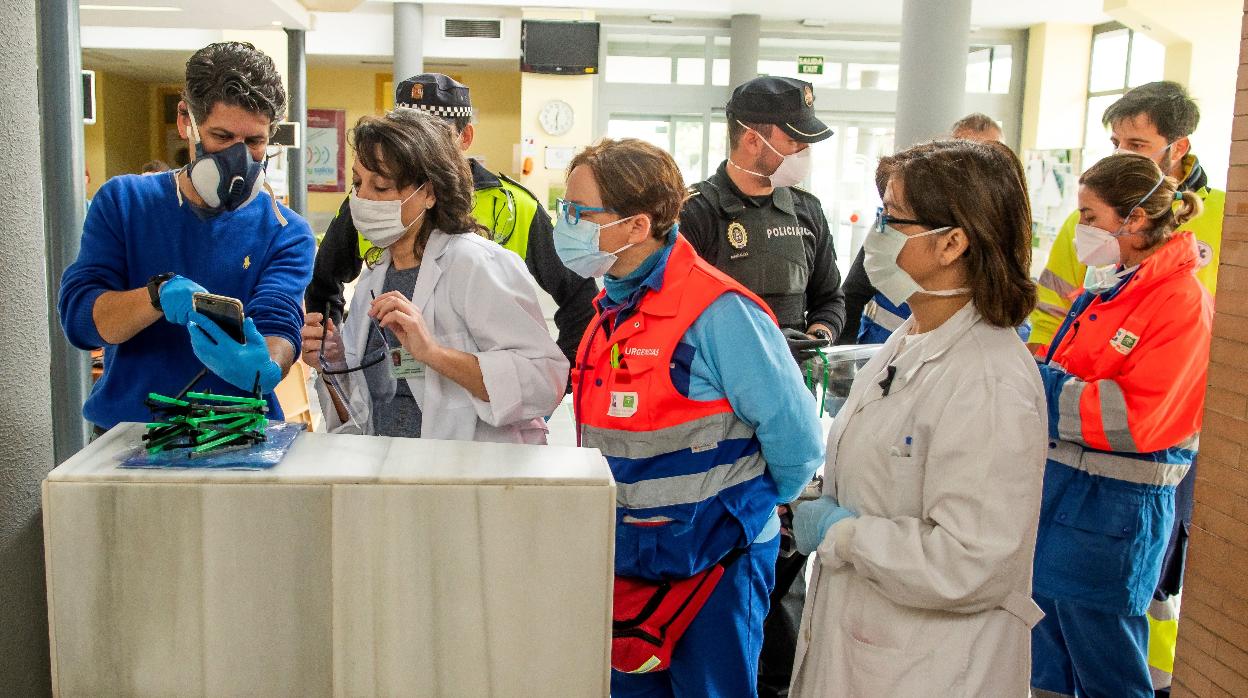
136, 229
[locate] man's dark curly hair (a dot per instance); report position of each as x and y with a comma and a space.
236, 73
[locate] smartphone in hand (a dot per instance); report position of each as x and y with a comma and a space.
225, 311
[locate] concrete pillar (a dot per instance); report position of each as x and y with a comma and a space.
409, 40
743, 48
26, 410
297, 77
60, 103
931, 83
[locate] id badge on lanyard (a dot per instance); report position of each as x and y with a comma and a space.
403, 366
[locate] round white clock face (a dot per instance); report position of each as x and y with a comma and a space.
556, 117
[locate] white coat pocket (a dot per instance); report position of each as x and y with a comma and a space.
905, 485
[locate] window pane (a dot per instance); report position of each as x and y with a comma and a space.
648, 59
978, 67
688, 152
778, 56
1002, 69
1096, 143
719, 65
1148, 60
719, 144
1109, 61
653, 131
862, 76
690, 71
638, 69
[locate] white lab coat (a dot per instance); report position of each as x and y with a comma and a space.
928, 591
476, 297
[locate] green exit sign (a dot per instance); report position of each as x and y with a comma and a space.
810, 65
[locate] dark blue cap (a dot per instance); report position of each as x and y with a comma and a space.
786, 102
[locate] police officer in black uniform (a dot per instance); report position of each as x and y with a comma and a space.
514, 218
751, 221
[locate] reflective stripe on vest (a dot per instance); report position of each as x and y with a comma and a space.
882, 316
1139, 471
668, 450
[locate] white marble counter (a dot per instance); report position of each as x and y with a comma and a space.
358, 566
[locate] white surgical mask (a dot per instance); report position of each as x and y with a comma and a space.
576, 244
381, 222
794, 169
1097, 247
882, 247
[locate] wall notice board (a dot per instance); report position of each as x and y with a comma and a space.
326, 150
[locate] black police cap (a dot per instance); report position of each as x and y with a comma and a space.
435, 93
786, 102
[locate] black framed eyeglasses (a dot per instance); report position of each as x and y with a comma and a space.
368, 361
882, 219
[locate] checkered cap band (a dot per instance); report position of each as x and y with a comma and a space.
437, 110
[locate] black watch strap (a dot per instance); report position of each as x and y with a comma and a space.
153, 288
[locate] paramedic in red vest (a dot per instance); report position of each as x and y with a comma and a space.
683, 381
1125, 382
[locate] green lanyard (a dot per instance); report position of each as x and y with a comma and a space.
813, 377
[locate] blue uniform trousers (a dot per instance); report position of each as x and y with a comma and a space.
1077, 650
718, 654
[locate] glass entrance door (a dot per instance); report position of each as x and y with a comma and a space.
843, 177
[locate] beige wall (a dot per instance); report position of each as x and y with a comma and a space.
120, 140
126, 108
495, 99
93, 139
535, 91
1054, 103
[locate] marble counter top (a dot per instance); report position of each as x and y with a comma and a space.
358, 566
347, 459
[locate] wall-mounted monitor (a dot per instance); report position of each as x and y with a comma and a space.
558, 47
88, 96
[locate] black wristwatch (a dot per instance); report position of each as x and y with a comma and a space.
153, 288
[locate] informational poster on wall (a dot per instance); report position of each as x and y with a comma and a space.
326, 147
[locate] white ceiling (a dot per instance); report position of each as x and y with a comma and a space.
196, 14
266, 14
996, 14
147, 45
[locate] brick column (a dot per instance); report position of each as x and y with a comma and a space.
1212, 656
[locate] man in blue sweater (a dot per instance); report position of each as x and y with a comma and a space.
150, 243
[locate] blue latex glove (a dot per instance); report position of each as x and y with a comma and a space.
812, 520
237, 364
177, 299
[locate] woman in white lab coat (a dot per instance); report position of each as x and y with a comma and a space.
927, 525
444, 338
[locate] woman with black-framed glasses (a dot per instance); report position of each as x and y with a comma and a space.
444, 338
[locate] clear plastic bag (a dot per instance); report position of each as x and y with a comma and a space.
279, 436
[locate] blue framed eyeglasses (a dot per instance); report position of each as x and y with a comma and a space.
572, 212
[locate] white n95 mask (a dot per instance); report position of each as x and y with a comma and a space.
881, 249
794, 169
381, 222
1096, 247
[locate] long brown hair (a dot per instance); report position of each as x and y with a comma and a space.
1129, 180
411, 148
979, 188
